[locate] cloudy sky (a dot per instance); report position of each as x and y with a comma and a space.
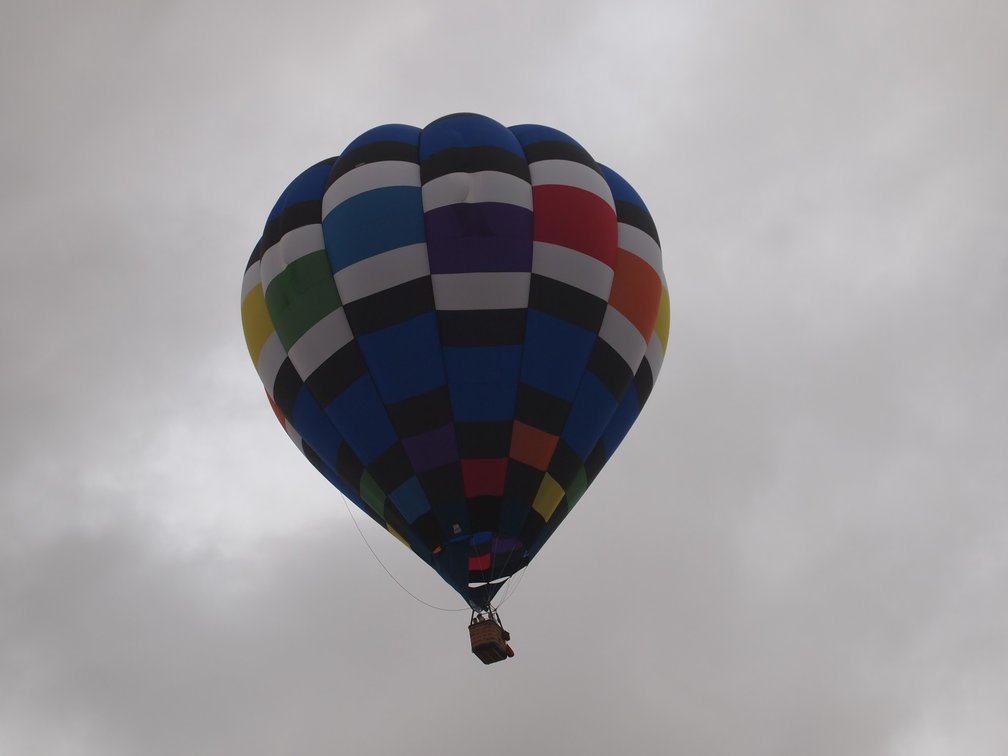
802, 547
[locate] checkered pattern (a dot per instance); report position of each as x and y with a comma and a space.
457, 325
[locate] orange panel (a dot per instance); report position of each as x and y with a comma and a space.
532, 446
636, 292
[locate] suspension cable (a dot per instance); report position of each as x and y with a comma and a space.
346, 503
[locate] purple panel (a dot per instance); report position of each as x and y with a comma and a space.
505, 545
432, 449
479, 237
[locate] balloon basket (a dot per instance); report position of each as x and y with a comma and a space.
489, 639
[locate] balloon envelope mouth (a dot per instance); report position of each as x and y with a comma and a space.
495, 581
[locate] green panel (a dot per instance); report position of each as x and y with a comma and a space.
301, 296
372, 494
577, 488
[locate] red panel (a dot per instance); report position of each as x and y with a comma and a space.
484, 477
276, 411
575, 219
480, 563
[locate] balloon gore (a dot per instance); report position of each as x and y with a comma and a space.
457, 325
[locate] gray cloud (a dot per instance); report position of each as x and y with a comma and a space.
801, 547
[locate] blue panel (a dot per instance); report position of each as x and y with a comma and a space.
373, 222
410, 500
390, 132
620, 188
530, 133
320, 437
466, 130
360, 416
589, 416
556, 354
315, 427
307, 187
620, 422
405, 359
327, 470
348, 491
483, 381
483, 537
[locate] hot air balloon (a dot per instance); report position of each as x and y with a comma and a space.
457, 325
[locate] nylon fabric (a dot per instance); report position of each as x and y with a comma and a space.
457, 326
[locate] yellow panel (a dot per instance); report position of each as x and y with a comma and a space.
402, 540
664, 317
256, 322
549, 496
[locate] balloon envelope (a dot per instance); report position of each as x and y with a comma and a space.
457, 325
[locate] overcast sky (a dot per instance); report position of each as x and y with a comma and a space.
802, 546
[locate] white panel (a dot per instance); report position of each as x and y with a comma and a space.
294, 436
251, 279
270, 359
292, 246
320, 342
368, 177
383, 271
621, 335
569, 173
654, 354
481, 186
571, 267
481, 291
632, 239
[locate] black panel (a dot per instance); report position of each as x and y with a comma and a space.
637, 216
564, 466
395, 519
419, 414
533, 527
257, 253
392, 468
375, 152
643, 382
559, 150
566, 303
312, 456
336, 374
370, 513
483, 440
596, 459
484, 513
349, 467
541, 410
286, 387
559, 514
606, 365
522, 482
291, 217
390, 306
463, 328
443, 484
471, 160
427, 530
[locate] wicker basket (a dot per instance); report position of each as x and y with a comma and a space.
487, 638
